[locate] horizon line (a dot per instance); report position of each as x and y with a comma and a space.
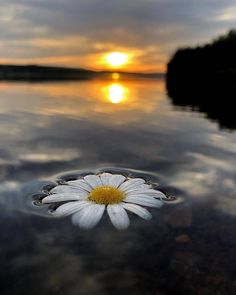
85, 69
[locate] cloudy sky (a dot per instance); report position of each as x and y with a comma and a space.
80, 32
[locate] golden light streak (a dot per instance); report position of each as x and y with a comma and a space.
116, 93
115, 76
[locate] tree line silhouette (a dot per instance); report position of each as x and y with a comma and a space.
204, 77
36, 73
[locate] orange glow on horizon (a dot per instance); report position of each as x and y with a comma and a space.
97, 61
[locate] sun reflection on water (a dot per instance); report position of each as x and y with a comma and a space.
116, 93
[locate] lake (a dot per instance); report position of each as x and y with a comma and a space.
50, 129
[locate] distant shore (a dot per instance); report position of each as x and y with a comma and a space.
48, 73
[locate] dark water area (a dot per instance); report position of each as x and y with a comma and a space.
51, 129
217, 103
212, 94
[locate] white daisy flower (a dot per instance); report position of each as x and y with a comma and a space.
87, 199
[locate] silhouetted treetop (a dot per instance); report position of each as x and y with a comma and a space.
204, 77
218, 55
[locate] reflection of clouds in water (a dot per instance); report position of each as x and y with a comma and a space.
10, 197
50, 128
9, 186
210, 161
23, 154
226, 143
227, 203
197, 184
206, 176
53, 155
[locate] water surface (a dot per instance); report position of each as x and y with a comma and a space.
48, 129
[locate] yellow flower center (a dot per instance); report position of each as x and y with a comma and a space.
106, 195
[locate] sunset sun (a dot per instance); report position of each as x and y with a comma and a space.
116, 59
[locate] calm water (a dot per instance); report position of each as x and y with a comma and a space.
50, 129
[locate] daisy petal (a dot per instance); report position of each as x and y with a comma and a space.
70, 208
80, 184
116, 180
145, 185
89, 216
131, 183
148, 192
138, 210
93, 180
141, 186
105, 177
63, 197
144, 200
67, 189
118, 216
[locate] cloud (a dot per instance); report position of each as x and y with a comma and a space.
33, 29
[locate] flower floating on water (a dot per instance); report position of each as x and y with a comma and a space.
87, 199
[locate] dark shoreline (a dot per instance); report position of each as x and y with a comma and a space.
204, 78
46, 73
